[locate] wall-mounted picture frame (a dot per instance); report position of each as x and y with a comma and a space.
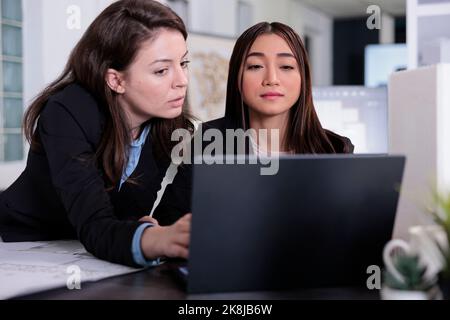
208, 73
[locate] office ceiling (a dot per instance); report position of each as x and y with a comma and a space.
356, 8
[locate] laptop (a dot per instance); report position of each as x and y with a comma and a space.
321, 221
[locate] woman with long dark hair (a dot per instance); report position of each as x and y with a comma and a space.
269, 87
100, 140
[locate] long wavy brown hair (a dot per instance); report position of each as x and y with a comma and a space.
113, 41
304, 132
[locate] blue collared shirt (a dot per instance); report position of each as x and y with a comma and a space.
134, 155
133, 160
136, 250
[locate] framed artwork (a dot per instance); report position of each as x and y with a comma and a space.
208, 73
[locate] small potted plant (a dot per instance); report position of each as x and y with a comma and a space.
407, 281
441, 215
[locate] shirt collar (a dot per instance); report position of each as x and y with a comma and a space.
142, 138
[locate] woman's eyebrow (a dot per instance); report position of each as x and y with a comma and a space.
168, 60
281, 55
256, 54
285, 54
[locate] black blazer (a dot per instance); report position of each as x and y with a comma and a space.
61, 194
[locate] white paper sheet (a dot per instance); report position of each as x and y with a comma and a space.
30, 267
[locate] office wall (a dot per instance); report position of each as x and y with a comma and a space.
272, 10
387, 31
319, 28
47, 39
213, 16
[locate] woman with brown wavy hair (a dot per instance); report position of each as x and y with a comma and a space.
269, 87
100, 141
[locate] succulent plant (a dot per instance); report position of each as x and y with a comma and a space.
412, 271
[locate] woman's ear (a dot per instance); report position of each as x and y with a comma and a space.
115, 81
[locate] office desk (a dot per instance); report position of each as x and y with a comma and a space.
161, 284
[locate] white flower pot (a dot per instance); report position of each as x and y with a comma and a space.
394, 294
